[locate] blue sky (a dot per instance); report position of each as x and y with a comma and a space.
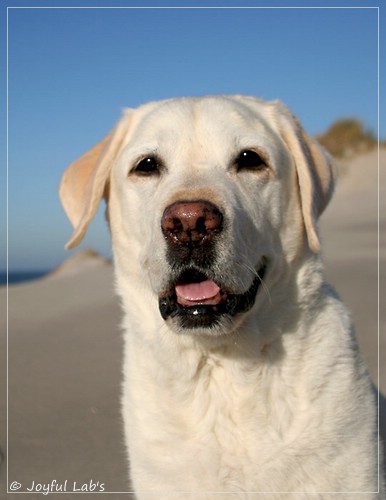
71, 71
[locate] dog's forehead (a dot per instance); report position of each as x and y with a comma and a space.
221, 118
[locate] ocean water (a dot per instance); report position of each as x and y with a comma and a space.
20, 276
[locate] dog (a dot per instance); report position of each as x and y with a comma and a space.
242, 376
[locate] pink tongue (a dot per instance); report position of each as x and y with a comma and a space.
206, 292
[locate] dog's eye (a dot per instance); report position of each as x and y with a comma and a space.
250, 160
147, 166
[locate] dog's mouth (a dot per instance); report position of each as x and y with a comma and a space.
199, 302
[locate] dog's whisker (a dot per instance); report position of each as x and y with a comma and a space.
265, 289
255, 272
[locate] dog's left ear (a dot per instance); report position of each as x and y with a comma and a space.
84, 182
316, 172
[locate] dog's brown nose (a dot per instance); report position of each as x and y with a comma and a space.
191, 222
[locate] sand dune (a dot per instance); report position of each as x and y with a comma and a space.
349, 231
65, 345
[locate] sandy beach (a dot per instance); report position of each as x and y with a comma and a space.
65, 344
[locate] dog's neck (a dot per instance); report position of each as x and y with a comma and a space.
258, 364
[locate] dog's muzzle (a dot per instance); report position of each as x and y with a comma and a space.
195, 297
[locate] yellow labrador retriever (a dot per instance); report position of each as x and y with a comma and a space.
242, 377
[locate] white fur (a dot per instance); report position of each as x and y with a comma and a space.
276, 404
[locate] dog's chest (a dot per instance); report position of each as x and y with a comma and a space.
226, 417
223, 421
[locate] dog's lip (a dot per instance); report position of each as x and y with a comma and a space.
195, 294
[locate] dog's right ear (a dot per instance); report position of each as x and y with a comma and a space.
84, 182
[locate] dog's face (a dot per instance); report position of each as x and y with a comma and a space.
209, 201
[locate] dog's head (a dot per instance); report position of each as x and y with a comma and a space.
208, 199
